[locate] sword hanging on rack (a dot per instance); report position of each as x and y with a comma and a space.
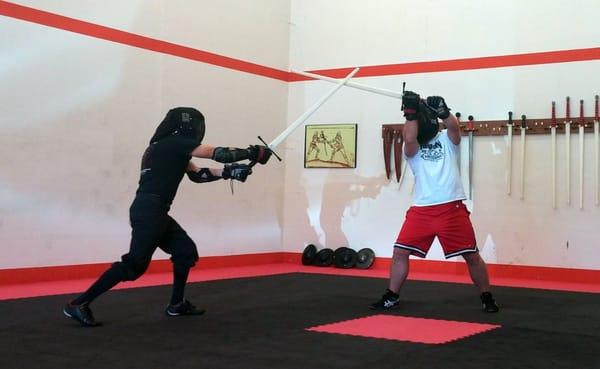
509, 129
568, 148
581, 151
523, 130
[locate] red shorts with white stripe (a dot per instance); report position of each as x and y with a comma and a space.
449, 222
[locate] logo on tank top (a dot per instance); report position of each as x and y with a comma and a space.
432, 151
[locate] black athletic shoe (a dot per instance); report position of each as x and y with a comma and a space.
388, 301
183, 308
488, 303
81, 313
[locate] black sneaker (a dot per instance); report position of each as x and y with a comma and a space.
488, 303
183, 308
388, 301
81, 313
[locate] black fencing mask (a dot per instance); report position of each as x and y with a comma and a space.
428, 124
187, 122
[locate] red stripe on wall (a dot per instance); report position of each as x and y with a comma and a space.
110, 34
550, 57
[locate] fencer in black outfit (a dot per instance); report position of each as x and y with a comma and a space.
165, 161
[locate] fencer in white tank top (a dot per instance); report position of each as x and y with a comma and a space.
435, 167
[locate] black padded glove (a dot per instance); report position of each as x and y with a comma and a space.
236, 171
258, 153
438, 104
410, 102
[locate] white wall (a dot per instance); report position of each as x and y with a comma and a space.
77, 113
361, 208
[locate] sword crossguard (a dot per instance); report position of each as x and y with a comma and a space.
581, 115
270, 149
553, 123
568, 111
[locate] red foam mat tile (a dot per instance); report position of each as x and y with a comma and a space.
403, 328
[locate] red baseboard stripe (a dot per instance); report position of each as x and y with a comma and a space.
82, 271
49, 19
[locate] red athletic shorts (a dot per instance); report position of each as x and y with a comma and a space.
449, 222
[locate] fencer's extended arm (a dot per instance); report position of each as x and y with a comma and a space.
256, 153
203, 151
409, 134
230, 154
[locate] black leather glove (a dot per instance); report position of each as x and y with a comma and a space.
259, 154
236, 171
439, 105
410, 102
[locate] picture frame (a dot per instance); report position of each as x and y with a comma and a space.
330, 145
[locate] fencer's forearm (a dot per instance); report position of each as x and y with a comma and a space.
410, 131
451, 123
230, 154
409, 135
453, 128
204, 175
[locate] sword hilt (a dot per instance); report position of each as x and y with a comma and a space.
553, 123
523, 122
270, 149
596, 115
581, 116
568, 110
470, 126
403, 86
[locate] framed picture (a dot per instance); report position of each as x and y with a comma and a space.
330, 146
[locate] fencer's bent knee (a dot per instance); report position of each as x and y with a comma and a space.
400, 254
129, 270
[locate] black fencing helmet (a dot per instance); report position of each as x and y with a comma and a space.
428, 124
187, 122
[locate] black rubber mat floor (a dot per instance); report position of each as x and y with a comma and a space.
262, 323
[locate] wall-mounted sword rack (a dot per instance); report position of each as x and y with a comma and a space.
480, 128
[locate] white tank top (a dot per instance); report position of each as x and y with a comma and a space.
435, 167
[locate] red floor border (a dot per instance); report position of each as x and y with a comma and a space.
523, 272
